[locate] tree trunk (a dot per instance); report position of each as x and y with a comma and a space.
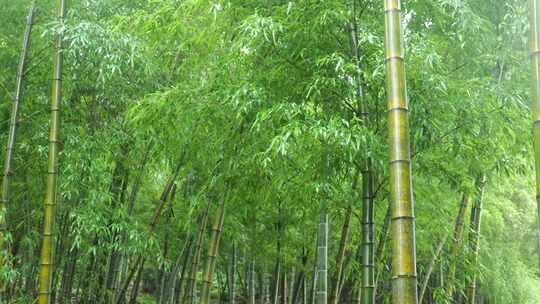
474, 239
47, 254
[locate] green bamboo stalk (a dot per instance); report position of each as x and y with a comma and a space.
46, 259
191, 293
456, 246
534, 19
139, 264
12, 132
322, 258
208, 274
232, 276
474, 239
334, 294
380, 252
404, 277
368, 266
431, 266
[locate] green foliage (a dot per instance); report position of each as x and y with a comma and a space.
259, 96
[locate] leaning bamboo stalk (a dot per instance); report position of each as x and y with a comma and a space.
139, 264
534, 19
208, 274
456, 246
474, 240
12, 132
431, 266
404, 277
46, 259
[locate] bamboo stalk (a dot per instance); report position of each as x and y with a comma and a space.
380, 252
46, 258
404, 277
217, 228
191, 293
322, 258
12, 132
456, 246
474, 239
334, 295
431, 266
232, 276
368, 265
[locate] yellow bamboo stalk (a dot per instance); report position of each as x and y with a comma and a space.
404, 277
46, 259
217, 228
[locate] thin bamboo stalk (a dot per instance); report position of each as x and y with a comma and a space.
474, 239
46, 258
334, 294
232, 276
368, 265
12, 133
431, 266
404, 277
322, 258
456, 246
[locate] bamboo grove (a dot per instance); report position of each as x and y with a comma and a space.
270, 152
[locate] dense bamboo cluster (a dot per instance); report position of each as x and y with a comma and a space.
263, 153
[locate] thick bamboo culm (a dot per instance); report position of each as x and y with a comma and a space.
404, 276
46, 259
